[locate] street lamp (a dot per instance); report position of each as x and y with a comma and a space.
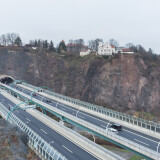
77, 113
93, 136
51, 142
157, 149
107, 126
56, 104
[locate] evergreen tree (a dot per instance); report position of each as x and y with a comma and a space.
18, 41
150, 51
62, 47
51, 46
45, 44
35, 43
39, 43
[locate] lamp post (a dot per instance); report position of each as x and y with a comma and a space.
157, 149
93, 136
77, 113
51, 142
107, 126
56, 104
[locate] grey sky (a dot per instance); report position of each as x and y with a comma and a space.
136, 21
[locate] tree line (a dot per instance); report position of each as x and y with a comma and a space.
10, 39
73, 45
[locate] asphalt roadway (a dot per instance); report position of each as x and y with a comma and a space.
140, 138
64, 146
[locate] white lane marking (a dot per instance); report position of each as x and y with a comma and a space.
28, 119
10, 105
42, 99
81, 117
140, 136
26, 122
43, 131
106, 122
62, 134
102, 121
67, 149
51, 142
103, 126
63, 109
17, 111
141, 142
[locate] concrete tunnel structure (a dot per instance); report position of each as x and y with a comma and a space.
6, 79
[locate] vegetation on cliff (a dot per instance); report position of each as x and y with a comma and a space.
126, 83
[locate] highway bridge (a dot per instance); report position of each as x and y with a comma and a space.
134, 137
48, 138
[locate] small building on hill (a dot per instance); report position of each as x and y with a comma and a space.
106, 49
76, 48
127, 51
85, 52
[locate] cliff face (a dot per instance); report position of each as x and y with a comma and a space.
123, 82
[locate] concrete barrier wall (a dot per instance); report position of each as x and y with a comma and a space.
86, 144
74, 137
123, 123
139, 148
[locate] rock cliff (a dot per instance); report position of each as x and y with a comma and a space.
123, 82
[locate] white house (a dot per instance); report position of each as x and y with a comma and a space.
85, 52
106, 49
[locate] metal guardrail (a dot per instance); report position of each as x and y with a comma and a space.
39, 144
103, 132
106, 133
108, 112
77, 135
82, 137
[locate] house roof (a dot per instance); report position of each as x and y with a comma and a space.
126, 50
112, 46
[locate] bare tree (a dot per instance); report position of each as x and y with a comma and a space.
3, 40
71, 41
11, 37
128, 45
114, 42
93, 44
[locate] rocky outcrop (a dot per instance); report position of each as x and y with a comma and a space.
123, 82
13, 143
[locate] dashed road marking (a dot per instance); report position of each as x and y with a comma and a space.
67, 149
141, 142
43, 131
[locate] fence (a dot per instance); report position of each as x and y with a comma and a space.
114, 114
139, 148
39, 144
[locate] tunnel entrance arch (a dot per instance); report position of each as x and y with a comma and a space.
6, 79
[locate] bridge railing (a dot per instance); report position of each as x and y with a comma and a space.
125, 142
72, 132
108, 112
38, 143
108, 134
105, 132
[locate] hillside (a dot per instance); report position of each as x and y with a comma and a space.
124, 82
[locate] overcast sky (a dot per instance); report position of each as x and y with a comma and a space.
136, 21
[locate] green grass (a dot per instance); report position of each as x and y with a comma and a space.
136, 158
112, 148
115, 148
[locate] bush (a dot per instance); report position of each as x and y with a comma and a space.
105, 57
